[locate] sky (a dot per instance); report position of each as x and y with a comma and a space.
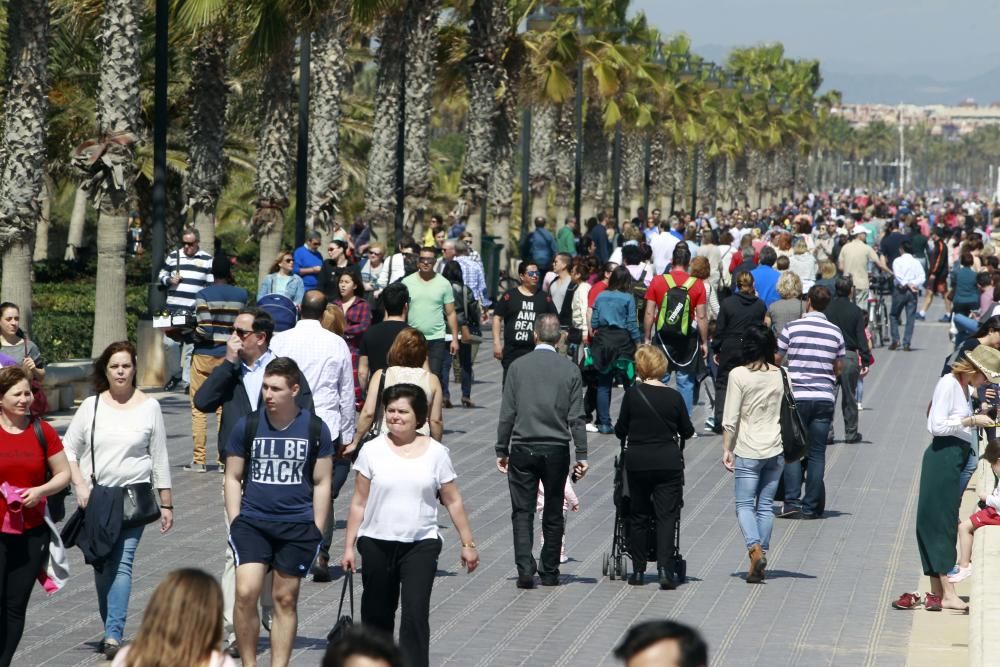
945, 40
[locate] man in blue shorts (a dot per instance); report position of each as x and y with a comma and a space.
277, 494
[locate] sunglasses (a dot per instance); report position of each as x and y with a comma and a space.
189, 244
287, 260
425, 260
242, 333
531, 274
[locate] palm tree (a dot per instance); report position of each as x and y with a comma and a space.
22, 151
112, 170
328, 76
421, 61
207, 129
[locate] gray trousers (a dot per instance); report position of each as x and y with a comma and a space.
848, 381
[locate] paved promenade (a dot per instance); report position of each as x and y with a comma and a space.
826, 600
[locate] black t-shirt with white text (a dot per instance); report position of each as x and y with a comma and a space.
518, 313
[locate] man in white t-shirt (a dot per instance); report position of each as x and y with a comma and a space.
663, 248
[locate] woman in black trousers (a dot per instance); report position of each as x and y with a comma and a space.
654, 423
736, 314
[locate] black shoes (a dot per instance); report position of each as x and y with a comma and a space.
550, 580
526, 581
110, 648
893, 345
853, 439
321, 570
171, 384
906, 348
636, 579
668, 580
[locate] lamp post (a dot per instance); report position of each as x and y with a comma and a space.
302, 154
158, 241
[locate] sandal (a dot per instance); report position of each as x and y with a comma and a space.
907, 601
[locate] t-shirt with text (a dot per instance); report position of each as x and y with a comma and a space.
518, 313
277, 487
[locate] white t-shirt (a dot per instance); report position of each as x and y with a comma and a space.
402, 502
663, 251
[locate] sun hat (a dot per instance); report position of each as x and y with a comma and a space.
986, 359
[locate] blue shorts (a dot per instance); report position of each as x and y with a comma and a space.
289, 548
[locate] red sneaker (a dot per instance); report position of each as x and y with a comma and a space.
932, 602
907, 601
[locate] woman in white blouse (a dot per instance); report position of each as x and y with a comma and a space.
393, 517
953, 426
129, 447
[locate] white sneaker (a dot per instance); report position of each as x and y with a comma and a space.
963, 574
592, 428
860, 406
563, 558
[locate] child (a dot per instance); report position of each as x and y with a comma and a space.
570, 503
988, 516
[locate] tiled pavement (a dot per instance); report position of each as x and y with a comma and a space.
826, 601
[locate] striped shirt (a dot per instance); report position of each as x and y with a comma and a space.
217, 307
811, 345
195, 273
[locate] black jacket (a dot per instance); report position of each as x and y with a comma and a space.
851, 320
609, 345
736, 313
224, 387
102, 524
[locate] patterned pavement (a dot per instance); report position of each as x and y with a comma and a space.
826, 601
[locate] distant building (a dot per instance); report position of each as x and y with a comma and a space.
948, 121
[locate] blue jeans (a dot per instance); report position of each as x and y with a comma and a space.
465, 361
816, 416
968, 471
756, 482
966, 327
114, 583
604, 383
685, 384
902, 300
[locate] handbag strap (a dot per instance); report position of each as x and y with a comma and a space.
377, 420
348, 585
649, 405
93, 459
788, 389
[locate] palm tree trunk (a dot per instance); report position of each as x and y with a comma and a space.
484, 75
23, 150
117, 114
632, 171
380, 183
421, 61
564, 162
274, 158
328, 75
77, 221
41, 250
207, 132
595, 159
502, 178
541, 168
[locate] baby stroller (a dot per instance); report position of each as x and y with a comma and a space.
616, 563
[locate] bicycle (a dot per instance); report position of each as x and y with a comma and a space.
879, 286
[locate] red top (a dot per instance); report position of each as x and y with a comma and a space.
658, 289
23, 464
595, 291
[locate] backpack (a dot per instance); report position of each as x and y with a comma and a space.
674, 318
250, 432
281, 309
639, 294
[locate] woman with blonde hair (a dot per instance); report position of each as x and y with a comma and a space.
334, 319
281, 280
790, 306
407, 359
803, 264
653, 423
953, 427
182, 625
737, 312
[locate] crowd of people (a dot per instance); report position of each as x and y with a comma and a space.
348, 362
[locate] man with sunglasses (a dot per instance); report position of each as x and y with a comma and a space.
235, 386
430, 296
516, 312
309, 261
186, 271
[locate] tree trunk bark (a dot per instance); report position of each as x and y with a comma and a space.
270, 244
17, 280
421, 52
77, 221
204, 222
41, 251
109, 303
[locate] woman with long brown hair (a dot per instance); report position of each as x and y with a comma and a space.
182, 625
23, 469
280, 279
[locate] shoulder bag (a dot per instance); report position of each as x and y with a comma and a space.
39, 402
794, 439
139, 505
344, 622
56, 503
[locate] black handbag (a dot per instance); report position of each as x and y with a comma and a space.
794, 439
344, 623
139, 505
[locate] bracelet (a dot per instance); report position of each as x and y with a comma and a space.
470, 545
166, 507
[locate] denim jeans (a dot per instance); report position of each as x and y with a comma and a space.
685, 384
114, 583
816, 416
604, 383
178, 359
968, 471
465, 363
902, 300
756, 482
437, 352
965, 325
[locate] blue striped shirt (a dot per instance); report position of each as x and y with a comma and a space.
811, 345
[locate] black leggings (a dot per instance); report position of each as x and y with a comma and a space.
654, 495
21, 558
387, 567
